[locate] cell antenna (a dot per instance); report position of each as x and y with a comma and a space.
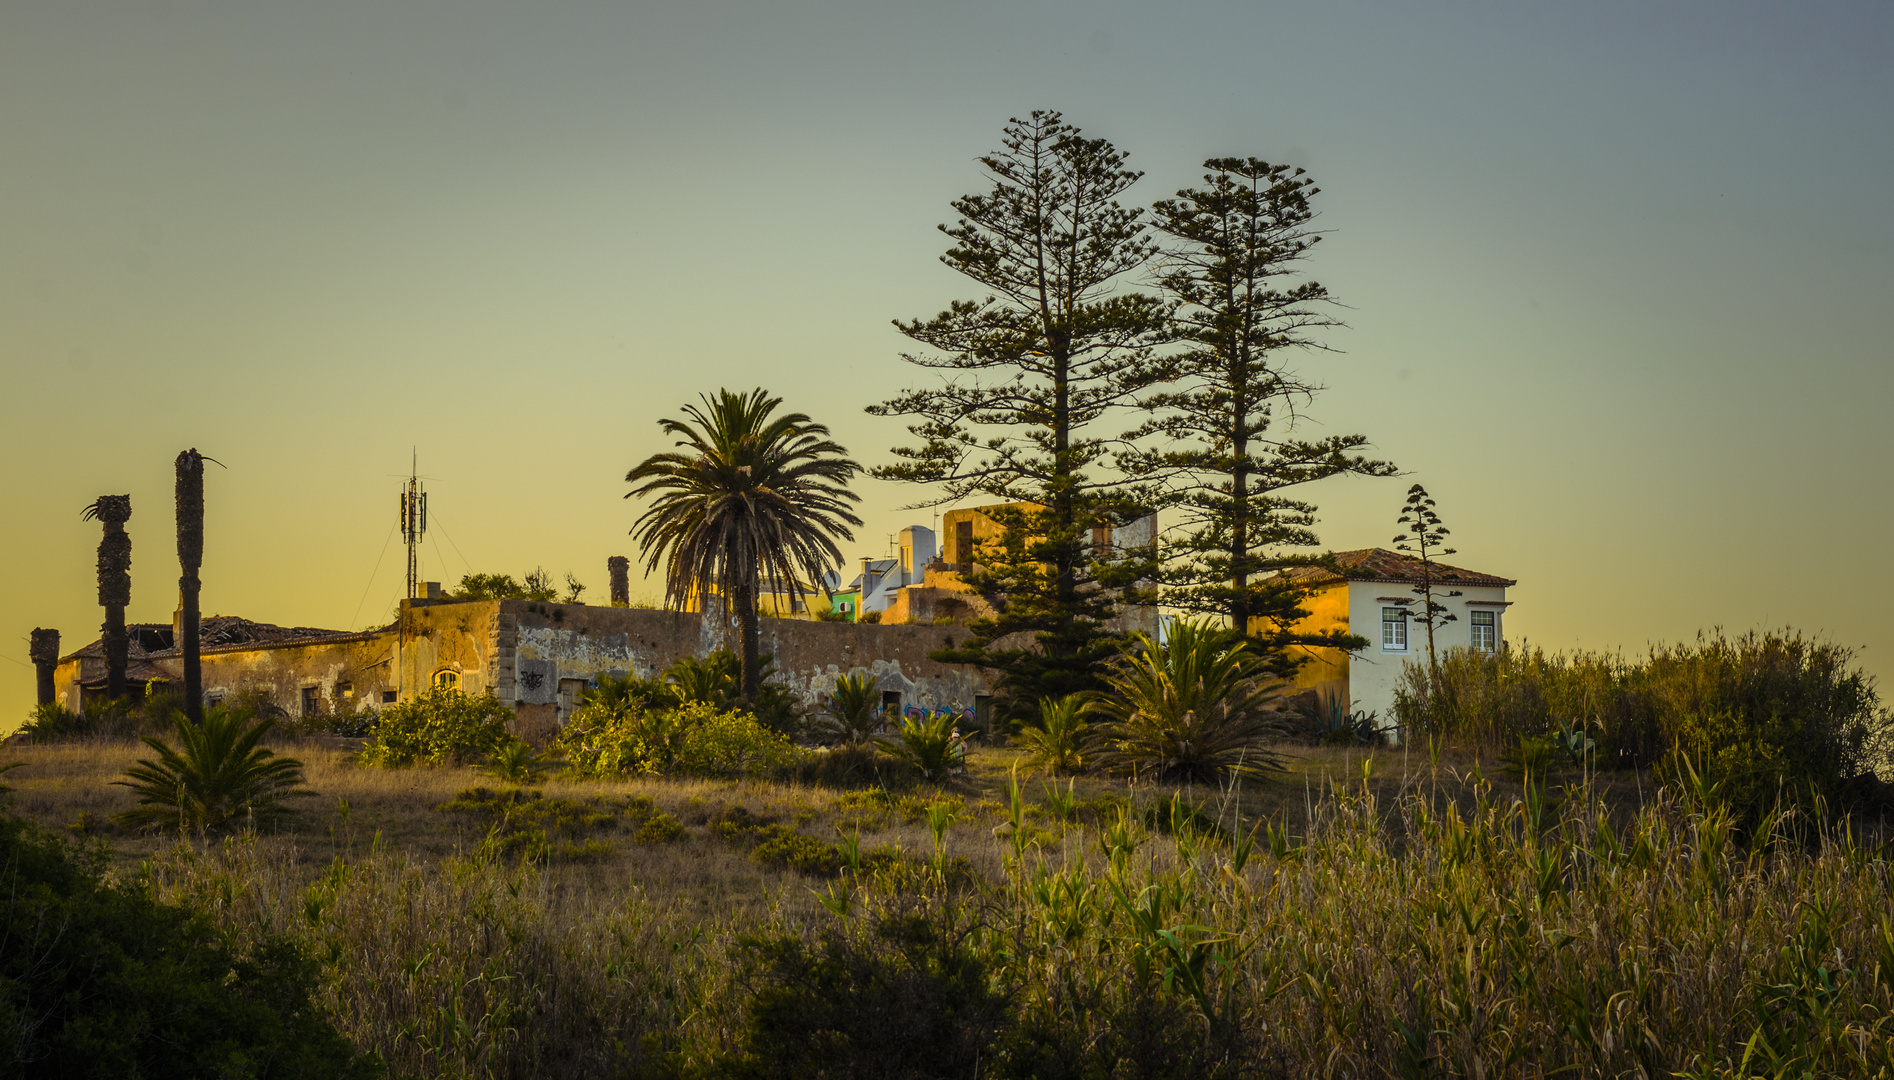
413, 523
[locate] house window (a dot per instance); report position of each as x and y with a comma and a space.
312, 700
891, 704
1394, 629
963, 545
447, 680
1485, 631
388, 697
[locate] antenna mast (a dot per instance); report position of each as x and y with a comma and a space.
413, 523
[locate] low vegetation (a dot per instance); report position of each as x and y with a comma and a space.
218, 776
1766, 717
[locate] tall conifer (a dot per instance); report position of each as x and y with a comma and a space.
1033, 374
1232, 456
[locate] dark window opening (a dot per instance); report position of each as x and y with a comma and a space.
388, 697
312, 700
963, 545
891, 702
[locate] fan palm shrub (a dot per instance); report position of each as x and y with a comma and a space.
749, 494
217, 776
1057, 743
853, 713
929, 743
1197, 706
518, 764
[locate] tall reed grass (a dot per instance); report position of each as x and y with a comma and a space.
1443, 932
1766, 716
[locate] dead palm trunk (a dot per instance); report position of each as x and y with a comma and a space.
190, 495
619, 568
45, 653
115, 585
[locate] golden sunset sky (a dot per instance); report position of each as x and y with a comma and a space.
1617, 275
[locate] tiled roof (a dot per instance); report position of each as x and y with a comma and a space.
214, 632
1380, 564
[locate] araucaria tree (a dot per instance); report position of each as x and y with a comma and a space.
115, 585
1231, 456
1424, 537
190, 500
1034, 374
749, 495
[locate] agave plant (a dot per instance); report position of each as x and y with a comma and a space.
853, 713
929, 743
1194, 707
1056, 744
218, 775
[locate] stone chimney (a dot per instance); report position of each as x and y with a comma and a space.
619, 568
44, 650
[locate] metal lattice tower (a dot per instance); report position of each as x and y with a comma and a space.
413, 525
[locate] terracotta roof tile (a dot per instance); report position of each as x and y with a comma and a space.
1380, 564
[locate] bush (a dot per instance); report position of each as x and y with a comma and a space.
853, 712
1057, 742
694, 739
901, 995
216, 778
1753, 715
929, 743
115, 720
102, 981
443, 726
1196, 707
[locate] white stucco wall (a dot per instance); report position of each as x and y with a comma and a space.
1374, 671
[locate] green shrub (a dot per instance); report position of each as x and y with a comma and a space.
852, 713
929, 743
442, 726
1197, 707
528, 824
693, 739
218, 776
114, 720
97, 981
780, 845
661, 829
901, 995
1057, 742
1754, 715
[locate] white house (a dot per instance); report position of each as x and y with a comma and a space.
1377, 596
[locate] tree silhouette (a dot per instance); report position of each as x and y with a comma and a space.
1034, 373
750, 494
1230, 455
115, 585
1423, 537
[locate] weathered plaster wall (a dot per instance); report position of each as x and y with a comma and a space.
541, 648
346, 672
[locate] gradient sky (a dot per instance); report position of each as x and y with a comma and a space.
1618, 275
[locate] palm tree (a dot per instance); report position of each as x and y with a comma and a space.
853, 712
217, 776
1195, 707
115, 585
190, 496
1057, 743
749, 495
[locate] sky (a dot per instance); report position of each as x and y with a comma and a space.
1616, 275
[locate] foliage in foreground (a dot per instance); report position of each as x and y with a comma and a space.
1197, 706
217, 777
1449, 934
102, 981
440, 726
1764, 716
